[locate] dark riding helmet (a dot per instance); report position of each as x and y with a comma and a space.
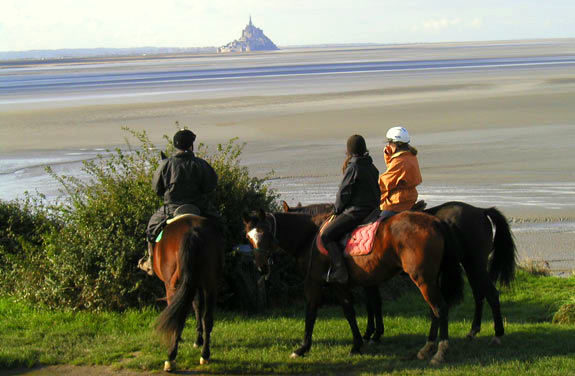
183, 139
356, 145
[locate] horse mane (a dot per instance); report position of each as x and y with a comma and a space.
312, 209
320, 218
318, 212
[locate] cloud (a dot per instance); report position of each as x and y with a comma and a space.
477, 22
440, 24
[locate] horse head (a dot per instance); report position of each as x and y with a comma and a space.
260, 231
287, 209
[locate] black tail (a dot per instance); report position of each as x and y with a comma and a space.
451, 273
504, 260
173, 318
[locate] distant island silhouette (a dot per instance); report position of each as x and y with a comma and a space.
253, 39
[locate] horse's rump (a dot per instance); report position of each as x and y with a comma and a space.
190, 261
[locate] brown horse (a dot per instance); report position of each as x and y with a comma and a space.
417, 243
189, 260
473, 226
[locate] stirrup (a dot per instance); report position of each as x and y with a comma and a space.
145, 265
146, 262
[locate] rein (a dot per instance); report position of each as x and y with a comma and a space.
275, 226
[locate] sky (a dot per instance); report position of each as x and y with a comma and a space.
56, 24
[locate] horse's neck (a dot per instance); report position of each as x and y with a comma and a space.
295, 233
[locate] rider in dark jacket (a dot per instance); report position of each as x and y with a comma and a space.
181, 179
357, 197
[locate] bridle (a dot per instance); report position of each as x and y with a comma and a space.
268, 254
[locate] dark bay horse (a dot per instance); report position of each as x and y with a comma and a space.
417, 243
189, 260
474, 228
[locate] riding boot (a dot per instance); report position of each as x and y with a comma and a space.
337, 272
145, 262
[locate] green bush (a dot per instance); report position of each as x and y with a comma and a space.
86, 258
21, 231
565, 314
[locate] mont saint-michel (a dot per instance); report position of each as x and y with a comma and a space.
253, 39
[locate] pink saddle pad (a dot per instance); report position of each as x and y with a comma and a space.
359, 243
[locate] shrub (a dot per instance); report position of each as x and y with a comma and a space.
89, 260
565, 314
536, 267
21, 229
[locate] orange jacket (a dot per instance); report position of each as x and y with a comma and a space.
398, 183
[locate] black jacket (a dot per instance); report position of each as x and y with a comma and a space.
359, 188
184, 179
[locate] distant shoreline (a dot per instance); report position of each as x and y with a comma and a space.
94, 55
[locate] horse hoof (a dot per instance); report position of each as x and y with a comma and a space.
435, 362
203, 361
471, 335
169, 366
426, 350
439, 357
495, 341
294, 355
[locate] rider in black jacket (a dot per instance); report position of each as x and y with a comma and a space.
357, 197
181, 179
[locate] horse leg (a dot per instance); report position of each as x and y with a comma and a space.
379, 328
374, 315
492, 296
369, 305
170, 364
478, 296
429, 346
198, 304
432, 295
345, 299
439, 356
312, 297
208, 323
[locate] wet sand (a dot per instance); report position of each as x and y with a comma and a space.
475, 130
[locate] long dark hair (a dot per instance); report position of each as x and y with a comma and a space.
356, 147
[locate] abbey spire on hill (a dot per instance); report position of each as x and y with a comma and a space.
253, 39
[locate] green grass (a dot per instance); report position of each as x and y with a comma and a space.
262, 343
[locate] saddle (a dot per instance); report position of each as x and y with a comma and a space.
360, 241
183, 211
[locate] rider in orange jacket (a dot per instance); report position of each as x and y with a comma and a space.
398, 183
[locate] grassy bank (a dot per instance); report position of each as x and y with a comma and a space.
261, 344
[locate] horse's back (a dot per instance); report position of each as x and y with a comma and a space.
209, 247
472, 226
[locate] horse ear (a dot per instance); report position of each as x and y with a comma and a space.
245, 218
298, 205
162, 155
261, 214
285, 206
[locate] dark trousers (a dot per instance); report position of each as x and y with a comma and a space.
387, 213
343, 224
158, 220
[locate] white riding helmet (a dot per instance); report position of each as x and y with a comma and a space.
398, 134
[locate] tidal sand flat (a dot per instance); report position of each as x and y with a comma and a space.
495, 125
